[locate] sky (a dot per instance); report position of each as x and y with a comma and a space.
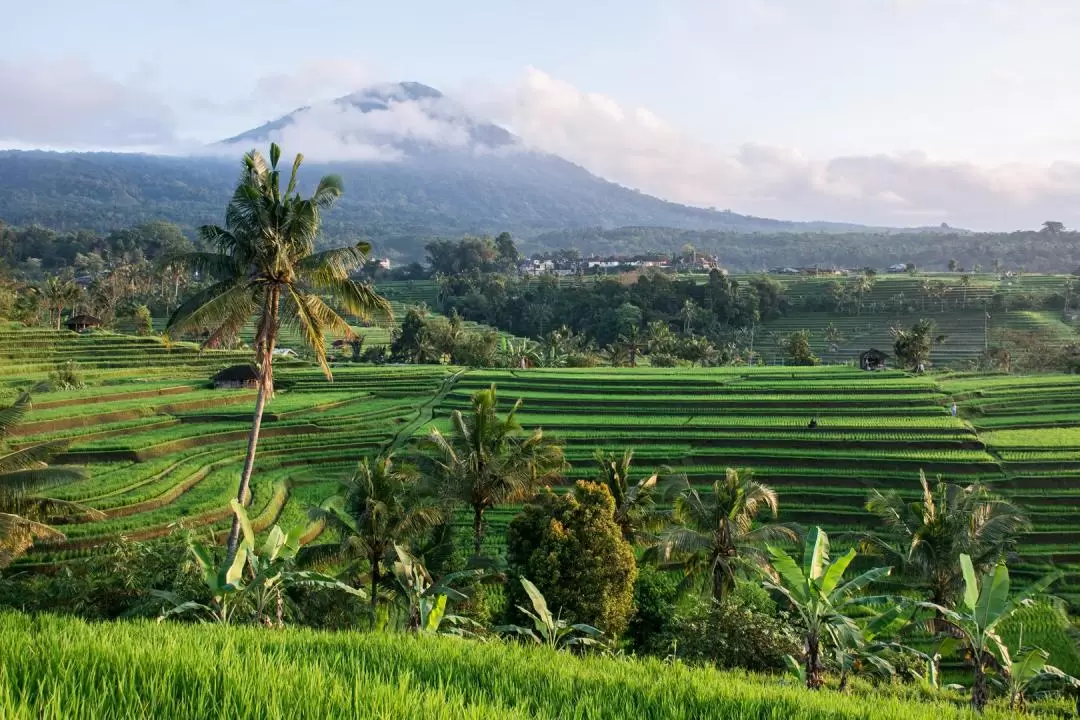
893, 112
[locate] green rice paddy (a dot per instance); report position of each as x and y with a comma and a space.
162, 447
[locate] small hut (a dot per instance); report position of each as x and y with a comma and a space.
237, 377
872, 359
82, 323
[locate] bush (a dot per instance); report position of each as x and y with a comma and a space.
583, 360
114, 583
67, 376
663, 360
376, 354
570, 547
742, 631
655, 596
144, 321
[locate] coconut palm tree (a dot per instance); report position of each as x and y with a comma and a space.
58, 294
486, 460
266, 268
635, 503
924, 539
714, 535
24, 476
379, 506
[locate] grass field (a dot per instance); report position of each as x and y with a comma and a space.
53, 669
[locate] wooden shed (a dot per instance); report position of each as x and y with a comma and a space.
82, 323
237, 377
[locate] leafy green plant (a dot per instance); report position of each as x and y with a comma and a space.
487, 460
24, 476
251, 579
713, 535
635, 503
822, 602
985, 604
550, 630
68, 375
377, 507
925, 538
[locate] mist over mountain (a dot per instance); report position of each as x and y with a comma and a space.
415, 164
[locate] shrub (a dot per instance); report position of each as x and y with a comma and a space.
583, 360
742, 631
570, 547
144, 321
67, 376
655, 596
663, 360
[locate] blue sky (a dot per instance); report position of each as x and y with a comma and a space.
867, 105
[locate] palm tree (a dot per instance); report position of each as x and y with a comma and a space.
925, 539
487, 460
266, 267
24, 474
635, 504
381, 505
713, 535
59, 294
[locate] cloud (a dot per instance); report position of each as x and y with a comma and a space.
313, 82
341, 131
66, 104
634, 147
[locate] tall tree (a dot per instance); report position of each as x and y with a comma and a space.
379, 506
57, 295
713, 535
486, 460
266, 268
1053, 227
924, 539
24, 476
913, 345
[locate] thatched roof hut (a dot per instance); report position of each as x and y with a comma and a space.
236, 377
82, 323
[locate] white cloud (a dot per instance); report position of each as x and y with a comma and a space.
65, 103
313, 82
634, 147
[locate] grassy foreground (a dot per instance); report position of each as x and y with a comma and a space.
60, 668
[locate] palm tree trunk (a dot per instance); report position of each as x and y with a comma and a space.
375, 578
245, 474
478, 529
264, 345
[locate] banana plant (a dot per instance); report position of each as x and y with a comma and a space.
255, 579
817, 595
427, 600
548, 629
985, 604
1028, 671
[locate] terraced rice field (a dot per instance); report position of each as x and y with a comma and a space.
162, 448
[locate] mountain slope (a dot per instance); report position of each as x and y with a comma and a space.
441, 172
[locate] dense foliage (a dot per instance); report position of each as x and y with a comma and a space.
570, 546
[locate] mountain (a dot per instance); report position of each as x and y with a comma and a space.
431, 169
